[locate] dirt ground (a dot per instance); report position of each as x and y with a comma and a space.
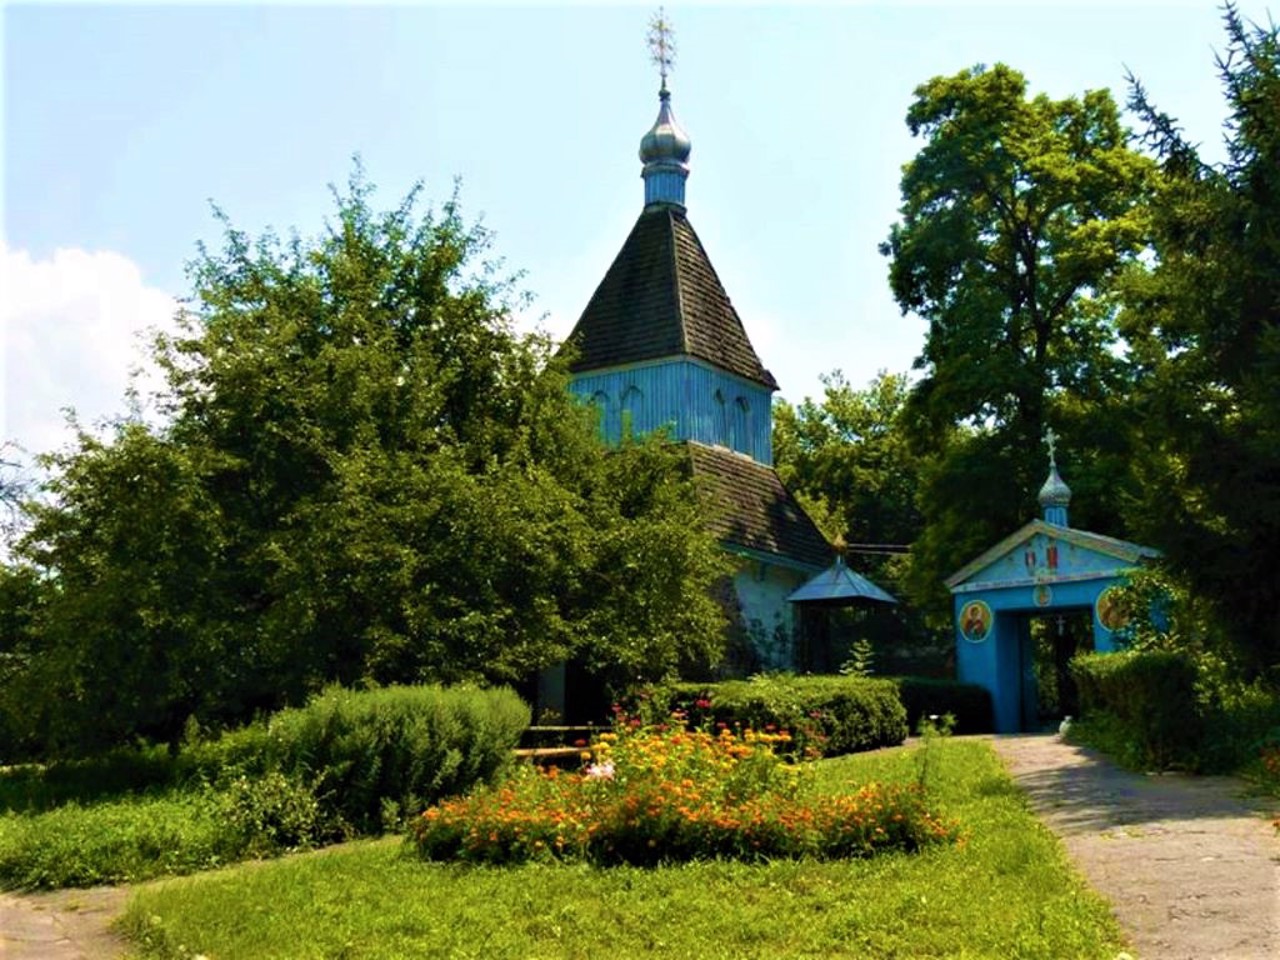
1190, 865
1192, 869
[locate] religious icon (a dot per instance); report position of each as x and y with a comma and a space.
975, 621
1043, 595
1052, 554
1110, 610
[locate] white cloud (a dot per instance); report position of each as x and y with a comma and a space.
72, 327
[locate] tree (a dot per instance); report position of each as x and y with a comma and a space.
366, 476
1019, 215
12, 490
847, 458
848, 461
1205, 328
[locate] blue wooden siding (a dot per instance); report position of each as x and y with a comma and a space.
693, 400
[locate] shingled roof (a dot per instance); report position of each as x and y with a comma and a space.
662, 298
757, 512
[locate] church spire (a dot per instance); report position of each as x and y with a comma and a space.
664, 150
1055, 495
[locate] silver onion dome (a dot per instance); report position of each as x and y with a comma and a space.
664, 151
1055, 496
1055, 492
665, 141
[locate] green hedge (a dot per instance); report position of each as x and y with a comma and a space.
826, 715
969, 703
1148, 698
373, 757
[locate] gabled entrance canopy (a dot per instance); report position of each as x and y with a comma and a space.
1045, 567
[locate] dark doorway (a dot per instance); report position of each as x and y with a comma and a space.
1049, 642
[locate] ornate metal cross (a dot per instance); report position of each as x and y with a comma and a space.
1051, 439
662, 44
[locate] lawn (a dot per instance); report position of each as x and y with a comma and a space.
1005, 891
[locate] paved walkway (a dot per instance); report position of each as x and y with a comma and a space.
64, 925
1191, 868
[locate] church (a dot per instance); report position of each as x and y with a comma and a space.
660, 346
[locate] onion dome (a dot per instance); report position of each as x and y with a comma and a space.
664, 151
1055, 496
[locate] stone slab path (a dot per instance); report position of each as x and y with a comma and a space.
1191, 867
64, 925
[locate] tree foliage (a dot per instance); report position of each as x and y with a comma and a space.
1205, 329
848, 458
366, 476
1019, 215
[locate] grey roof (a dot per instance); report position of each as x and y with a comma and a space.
662, 298
840, 586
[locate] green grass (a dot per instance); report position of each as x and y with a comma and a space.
117, 842
1006, 892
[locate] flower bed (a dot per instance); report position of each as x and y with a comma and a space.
646, 795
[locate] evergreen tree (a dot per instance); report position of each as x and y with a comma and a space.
1205, 335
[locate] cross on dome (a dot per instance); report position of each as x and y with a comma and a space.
662, 44
1051, 439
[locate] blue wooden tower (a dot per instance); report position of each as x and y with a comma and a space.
660, 346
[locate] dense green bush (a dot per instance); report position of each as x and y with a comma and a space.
373, 757
826, 715
1148, 702
969, 703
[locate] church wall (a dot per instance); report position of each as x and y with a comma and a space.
694, 400
762, 590
990, 648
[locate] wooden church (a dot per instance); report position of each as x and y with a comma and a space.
660, 345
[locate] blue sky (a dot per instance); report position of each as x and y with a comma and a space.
121, 123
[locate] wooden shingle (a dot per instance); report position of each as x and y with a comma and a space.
752, 509
662, 298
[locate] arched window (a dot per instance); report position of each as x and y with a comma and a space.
741, 425
631, 399
720, 429
600, 400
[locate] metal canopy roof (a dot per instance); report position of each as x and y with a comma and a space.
838, 586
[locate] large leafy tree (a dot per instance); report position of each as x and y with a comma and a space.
847, 458
1019, 214
365, 475
1205, 330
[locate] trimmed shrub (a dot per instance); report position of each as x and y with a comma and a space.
374, 757
1150, 699
969, 703
825, 715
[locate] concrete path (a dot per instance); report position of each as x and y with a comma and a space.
65, 925
1192, 869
